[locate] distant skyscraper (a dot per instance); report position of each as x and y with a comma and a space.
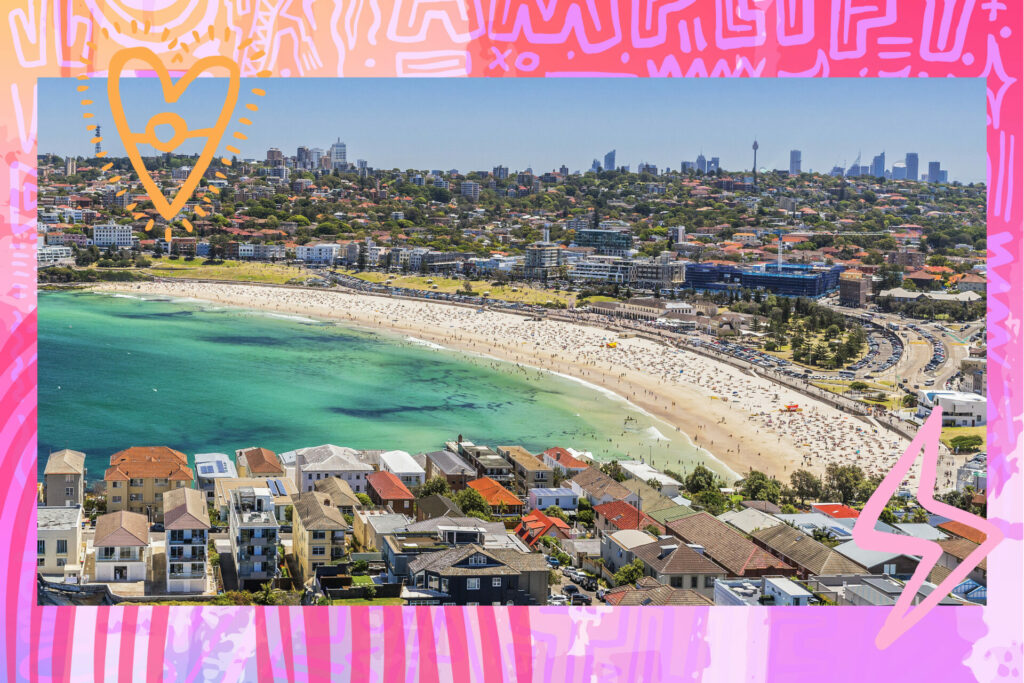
934, 172
339, 155
702, 163
70, 166
596, 165
609, 161
899, 171
878, 166
755, 162
275, 157
911, 162
564, 170
794, 162
713, 165
500, 172
943, 176
837, 172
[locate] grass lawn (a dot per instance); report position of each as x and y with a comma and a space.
244, 271
519, 292
362, 580
597, 299
950, 433
350, 602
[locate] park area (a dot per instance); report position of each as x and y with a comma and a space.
517, 292
241, 271
965, 439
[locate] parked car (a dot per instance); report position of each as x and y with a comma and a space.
558, 600
581, 599
570, 590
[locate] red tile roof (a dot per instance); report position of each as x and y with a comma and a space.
148, 462
388, 486
494, 493
565, 458
537, 524
963, 531
622, 515
836, 510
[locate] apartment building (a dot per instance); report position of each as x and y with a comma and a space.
319, 532
186, 534
121, 545
528, 470
139, 476
64, 479
59, 550
253, 531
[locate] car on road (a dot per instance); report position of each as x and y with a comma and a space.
570, 590
558, 600
581, 599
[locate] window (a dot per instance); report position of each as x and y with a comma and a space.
709, 582
693, 582
444, 585
117, 484
116, 499
62, 546
40, 547
319, 535
472, 584
69, 479
478, 559
40, 561
69, 491
135, 482
496, 582
889, 569
319, 550
676, 582
61, 562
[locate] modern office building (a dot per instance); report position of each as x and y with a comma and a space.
878, 165
339, 155
934, 172
605, 242
609, 161
911, 164
794, 162
789, 279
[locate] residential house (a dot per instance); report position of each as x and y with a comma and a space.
186, 534
209, 468
598, 488
618, 515
679, 566
64, 479
139, 476
810, 557
258, 463
385, 488
727, 548
833, 510
500, 499
764, 506
486, 462
121, 545
318, 532
651, 500
749, 520
648, 592
59, 550
473, 575
436, 505
449, 465
320, 462
536, 525
560, 459
370, 526
955, 551
281, 490
542, 499
961, 530
770, 590
341, 494
254, 535
879, 561
403, 545
640, 470
617, 548
402, 465
529, 471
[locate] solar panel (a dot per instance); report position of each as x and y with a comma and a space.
221, 467
206, 469
275, 487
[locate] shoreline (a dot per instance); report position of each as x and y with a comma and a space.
739, 437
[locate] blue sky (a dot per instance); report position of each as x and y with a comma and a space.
475, 124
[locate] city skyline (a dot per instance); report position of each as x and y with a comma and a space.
835, 124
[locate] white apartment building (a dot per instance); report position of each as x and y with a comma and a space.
325, 254
403, 466
121, 545
186, 531
59, 550
320, 462
253, 531
53, 256
112, 235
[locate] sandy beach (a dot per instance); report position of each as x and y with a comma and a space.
733, 415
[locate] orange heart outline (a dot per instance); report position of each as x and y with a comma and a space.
171, 92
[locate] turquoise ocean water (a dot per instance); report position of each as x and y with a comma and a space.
118, 371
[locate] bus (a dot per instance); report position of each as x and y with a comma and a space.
893, 326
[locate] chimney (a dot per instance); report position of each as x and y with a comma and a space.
666, 550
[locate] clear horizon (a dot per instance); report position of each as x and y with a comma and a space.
476, 124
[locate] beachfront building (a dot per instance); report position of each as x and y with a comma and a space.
486, 462
543, 498
258, 462
669, 487
403, 466
64, 479
500, 499
560, 459
253, 532
341, 495
959, 409
186, 530
209, 468
318, 254
387, 490
328, 460
112, 235
597, 487
370, 526
450, 466
121, 545
59, 550
318, 533
529, 471
139, 476
281, 490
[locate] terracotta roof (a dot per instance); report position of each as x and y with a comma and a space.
960, 548
598, 484
262, 461
121, 529
963, 531
65, 462
836, 510
645, 594
565, 458
388, 486
494, 493
681, 560
148, 462
622, 515
537, 524
338, 490
723, 545
316, 511
186, 509
805, 552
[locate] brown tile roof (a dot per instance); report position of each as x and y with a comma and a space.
523, 457
598, 484
262, 461
338, 490
388, 486
645, 594
805, 552
148, 462
963, 531
494, 493
960, 548
723, 545
681, 560
316, 512
65, 462
186, 509
121, 529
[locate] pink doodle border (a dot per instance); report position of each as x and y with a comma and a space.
645, 38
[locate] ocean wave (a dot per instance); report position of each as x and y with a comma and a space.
293, 318
424, 342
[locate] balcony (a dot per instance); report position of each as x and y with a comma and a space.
195, 540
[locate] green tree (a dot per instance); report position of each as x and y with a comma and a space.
435, 486
806, 485
967, 443
630, 573
918, 515
887, 516
712, 500
844, 481
555, 511
469, 500
757, 486
614, 470
360, 567
364, 500
701, 479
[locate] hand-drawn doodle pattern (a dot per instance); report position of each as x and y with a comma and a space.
833, 38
